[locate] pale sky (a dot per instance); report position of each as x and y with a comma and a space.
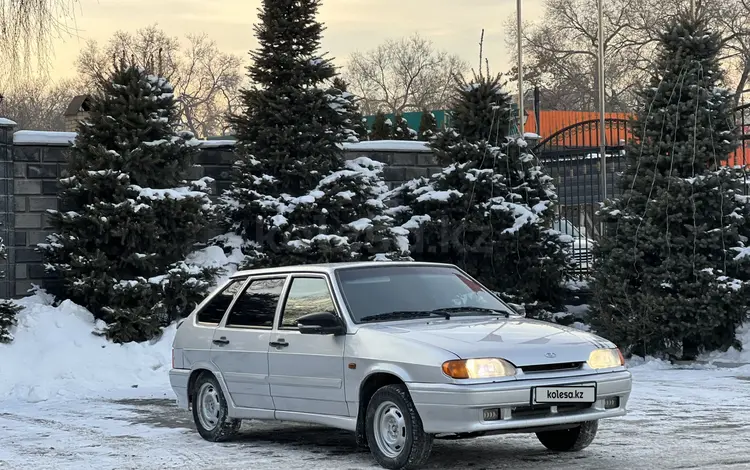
452, 25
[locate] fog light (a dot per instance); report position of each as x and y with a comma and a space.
611, 402
492, 414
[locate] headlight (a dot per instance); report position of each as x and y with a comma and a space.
478, 368
605, 358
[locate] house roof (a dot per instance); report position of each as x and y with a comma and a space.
78, 104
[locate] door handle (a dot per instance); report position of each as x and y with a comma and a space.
222, 340
279, 344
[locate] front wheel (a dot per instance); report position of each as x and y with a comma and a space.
210, 411
569, 440
394, 430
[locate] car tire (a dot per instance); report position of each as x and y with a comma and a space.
569, 440
394, 430
210, 411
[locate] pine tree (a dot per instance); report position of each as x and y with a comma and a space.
489, 210
354, 123
427, 126
671, 274
402, 131
129, 218
382, 127
294, 199
8, 309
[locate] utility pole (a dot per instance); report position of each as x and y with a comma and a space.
520, 70
602, 100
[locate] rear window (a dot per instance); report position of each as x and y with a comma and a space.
378, 290
214, 311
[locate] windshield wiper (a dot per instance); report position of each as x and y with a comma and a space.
487, 311
404, 314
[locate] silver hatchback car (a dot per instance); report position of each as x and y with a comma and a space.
400, 353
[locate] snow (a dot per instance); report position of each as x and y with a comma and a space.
360, 225
388, 145
174, 193
67, 138
5, 122
443, 196
208, 144
279, 220
732, 355
678, 417
55, 355
43, 138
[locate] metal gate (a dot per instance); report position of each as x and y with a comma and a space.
571, 157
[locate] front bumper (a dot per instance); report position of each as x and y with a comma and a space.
179, 378
450, 408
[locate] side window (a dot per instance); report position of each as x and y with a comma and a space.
214, 311
307, 295
256, 307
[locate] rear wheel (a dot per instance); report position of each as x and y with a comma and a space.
394, 430
569, 440
210, 411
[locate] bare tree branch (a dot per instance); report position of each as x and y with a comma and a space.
206, 80
403, 75
27, 29
35, 104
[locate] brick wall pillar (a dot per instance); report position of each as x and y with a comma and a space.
7, 217
36, 170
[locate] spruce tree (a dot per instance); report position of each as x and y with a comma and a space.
129, 219
402, 131
671, 274
490, 209
8, 309
293, 198
355, 127
382, 127
427, 126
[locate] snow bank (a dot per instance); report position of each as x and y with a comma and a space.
733, 355
55, 354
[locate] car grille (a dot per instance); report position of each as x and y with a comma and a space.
541, 411
559, 367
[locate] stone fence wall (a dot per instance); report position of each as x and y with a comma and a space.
32, 161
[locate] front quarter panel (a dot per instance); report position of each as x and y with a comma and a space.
370, 351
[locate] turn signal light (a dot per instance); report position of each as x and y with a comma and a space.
478, 368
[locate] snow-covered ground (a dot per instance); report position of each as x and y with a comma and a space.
72, 400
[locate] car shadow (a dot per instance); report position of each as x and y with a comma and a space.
316, 443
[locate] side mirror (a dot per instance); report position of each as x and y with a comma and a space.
323, 323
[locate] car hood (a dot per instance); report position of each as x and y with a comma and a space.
521, 341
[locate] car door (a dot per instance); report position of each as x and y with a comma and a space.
307, 371
197, 350
240, 343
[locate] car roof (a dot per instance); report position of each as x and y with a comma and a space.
330, 268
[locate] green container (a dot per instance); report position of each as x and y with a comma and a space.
413, 119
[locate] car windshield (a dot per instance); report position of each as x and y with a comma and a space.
383, 293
